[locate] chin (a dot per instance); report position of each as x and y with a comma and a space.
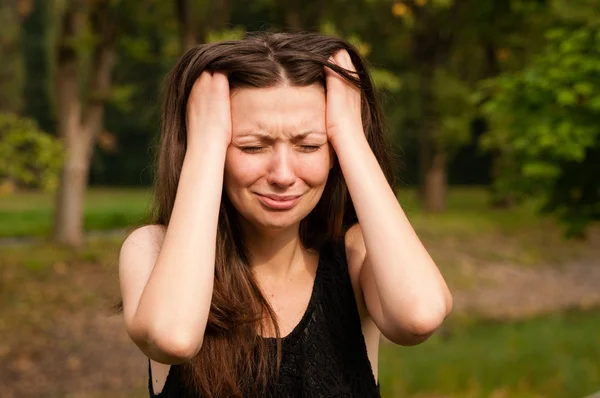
277, 223
261, 218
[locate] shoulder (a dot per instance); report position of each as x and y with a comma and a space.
355, 247
355, 256
136, 261
146, 238
356, 253
140, 250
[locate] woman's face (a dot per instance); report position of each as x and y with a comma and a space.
279, 158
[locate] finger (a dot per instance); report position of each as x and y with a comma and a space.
219, 79
202, 82
332, 78
328, 70
342, 58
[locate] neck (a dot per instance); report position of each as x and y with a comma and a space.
274, 253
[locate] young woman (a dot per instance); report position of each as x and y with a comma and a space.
279, 254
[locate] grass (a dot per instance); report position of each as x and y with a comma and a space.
519, 235
470, 231
30, 213
555, 355
551, 356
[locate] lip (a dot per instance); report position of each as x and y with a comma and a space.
279, 202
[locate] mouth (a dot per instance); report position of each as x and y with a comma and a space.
279, 202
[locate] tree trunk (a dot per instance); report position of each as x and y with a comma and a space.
71, 193
67, 226
431, 47
185, 22
434, 181
77, 128
435, 184
293, 20
432, 157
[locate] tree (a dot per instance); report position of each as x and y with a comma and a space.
441, 59
81, 25
441, 50
544, 119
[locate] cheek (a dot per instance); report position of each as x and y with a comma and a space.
239, 171
315, 169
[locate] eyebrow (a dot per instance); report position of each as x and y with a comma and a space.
268, 138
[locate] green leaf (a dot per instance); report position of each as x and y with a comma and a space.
566, 97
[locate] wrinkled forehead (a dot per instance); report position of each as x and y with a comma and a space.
280, 110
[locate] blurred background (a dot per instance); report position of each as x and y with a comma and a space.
493, 108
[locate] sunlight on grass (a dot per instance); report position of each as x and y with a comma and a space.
30, 214
552, 356
42, 257
469, 211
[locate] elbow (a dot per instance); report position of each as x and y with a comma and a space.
424, 325
426, 320
166, 346
420, 325
175, 348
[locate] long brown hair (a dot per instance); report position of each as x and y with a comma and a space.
234, 360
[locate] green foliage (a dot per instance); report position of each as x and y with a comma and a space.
426, 55
384, 79
121, 96
550, 356
452, 99
544, 121
28, 156
226, 34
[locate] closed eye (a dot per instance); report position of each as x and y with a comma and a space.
251, 149
309, 148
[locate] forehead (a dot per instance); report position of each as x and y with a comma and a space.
280, 109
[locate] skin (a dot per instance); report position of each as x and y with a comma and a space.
279, 147
257, 135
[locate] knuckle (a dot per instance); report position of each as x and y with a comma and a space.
220, 83
205, 79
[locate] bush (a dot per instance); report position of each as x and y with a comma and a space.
29, 157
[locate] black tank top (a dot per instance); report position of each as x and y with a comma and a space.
325, 354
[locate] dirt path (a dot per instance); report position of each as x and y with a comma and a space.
510, 292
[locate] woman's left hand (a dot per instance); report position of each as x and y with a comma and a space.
343, 114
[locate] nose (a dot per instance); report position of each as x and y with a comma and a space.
281, 171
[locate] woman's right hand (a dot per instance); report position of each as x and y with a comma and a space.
208, 113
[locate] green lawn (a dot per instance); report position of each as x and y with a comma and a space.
30, 214
551, 356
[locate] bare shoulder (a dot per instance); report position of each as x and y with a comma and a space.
355, 248
355, 256
136, 261
148, 237
356, 253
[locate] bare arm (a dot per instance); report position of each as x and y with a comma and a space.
404, 292
167, 317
